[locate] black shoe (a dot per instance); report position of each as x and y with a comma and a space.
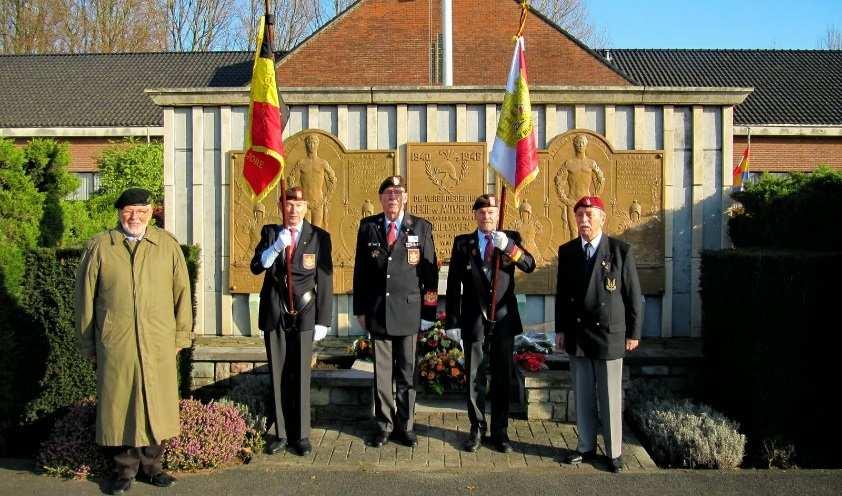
276, 446
502, 444
615, 465
576, 457
120, 486
408, 438
474, 441
378, 440
303, 448
161, 479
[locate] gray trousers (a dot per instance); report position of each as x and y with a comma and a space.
289, 355
394, 361
598, 386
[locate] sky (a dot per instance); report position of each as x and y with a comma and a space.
715, 23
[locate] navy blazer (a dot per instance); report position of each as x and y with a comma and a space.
312, 269
598, 307
469, 291
394, 288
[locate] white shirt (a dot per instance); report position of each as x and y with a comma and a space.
594, 243
397, 222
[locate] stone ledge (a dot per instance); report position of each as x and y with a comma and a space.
341, 378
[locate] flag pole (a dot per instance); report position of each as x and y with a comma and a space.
492, 314
269, 19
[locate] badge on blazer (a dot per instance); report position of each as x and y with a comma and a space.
375, 253
606, 265
610, 284
413, 256
308, 260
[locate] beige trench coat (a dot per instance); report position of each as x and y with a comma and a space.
132, 312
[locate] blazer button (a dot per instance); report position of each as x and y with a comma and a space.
572, 300
602, 304
578, 320
390, 258
387, 294
597, 324
388, 276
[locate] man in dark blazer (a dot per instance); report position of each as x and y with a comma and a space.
598, 317
395, 293
468, 299
289, 327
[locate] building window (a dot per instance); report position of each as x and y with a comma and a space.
88, 183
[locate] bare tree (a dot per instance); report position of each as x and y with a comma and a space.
295, 20
77, 26
573, 17
832, 39
199, 25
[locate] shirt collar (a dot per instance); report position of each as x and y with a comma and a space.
594, 242
398, 221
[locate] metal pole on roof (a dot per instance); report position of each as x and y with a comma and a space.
447, 34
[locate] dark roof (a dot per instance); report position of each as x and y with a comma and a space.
790, 86
106, 89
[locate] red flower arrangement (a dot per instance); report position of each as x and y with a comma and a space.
531, 360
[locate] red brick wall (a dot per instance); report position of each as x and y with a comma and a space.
387, 42
785, 154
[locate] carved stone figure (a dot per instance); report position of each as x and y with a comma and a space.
318, 180
578, 176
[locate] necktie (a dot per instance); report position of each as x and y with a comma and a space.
392, 235
489, 249
588, 251
291, 248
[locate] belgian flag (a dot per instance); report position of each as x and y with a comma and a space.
264, 161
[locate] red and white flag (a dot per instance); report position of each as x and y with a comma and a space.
514, 154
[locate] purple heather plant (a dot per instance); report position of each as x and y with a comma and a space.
70, 451
211, 435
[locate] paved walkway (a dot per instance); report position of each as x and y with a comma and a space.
536, 443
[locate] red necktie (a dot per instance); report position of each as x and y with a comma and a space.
392, 235
489, 249
291, 247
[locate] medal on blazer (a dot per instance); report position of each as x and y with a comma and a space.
413, 256
610, 284
375, 253
308, 260
606, 265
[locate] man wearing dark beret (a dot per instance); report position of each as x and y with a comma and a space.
468, 309
133, 314
395, 294
290, 327
598, 318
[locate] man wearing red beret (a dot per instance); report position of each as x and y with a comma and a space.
598, 317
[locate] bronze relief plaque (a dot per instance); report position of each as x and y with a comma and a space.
340, 186
443, 180
578, 163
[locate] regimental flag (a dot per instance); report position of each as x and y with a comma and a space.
514, 154
741, 171
264, 161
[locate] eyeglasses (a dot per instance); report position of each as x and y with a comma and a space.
392, 192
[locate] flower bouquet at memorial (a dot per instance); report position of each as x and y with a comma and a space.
441, 362
531, 360
363, 349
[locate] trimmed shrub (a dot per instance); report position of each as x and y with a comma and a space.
212, 434
71, 451
683, 434
771, 354
776, 211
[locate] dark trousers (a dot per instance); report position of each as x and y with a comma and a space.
497, 362
289, 355
128, 460
394, 361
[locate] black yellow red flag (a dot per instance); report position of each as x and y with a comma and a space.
264, 161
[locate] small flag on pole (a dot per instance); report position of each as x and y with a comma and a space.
514, 154
263, 165
741, 171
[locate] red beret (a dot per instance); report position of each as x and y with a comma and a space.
295, 193
590, 201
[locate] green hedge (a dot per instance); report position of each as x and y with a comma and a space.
47, 371
772, 347
797, 211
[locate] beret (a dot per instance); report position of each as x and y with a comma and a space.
483, 201
590, 201
396, 181
295, 193
133, 196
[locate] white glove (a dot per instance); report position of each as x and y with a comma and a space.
284, 239
500, 240
320, 332
455, 334
426, 324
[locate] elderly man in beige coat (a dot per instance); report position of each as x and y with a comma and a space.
133, 313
